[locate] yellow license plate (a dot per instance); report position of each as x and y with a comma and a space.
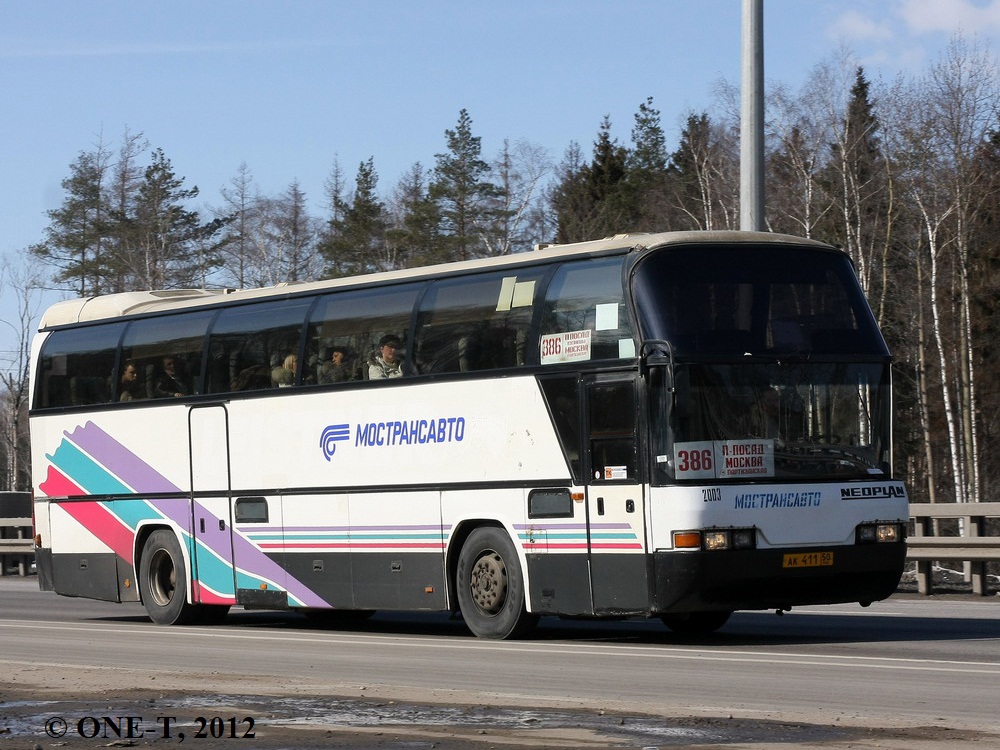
807, 560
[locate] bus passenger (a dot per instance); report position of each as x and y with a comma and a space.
386, 363
337, 370
128, 386
171, 383
284, 375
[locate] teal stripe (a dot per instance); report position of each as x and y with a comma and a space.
213, 572
243, 581
277, 536
132, 512
85, 472
548, 535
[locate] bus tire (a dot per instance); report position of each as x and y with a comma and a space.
696, 623
163, 580
491, 586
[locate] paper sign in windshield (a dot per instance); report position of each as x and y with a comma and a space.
724, 459
569, 346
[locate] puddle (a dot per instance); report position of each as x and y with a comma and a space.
310, 719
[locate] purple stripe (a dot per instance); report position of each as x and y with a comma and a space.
127, 466
571, 526
143, 478
354, 528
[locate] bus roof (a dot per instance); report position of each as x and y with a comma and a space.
86, 309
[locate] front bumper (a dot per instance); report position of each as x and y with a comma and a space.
699, 581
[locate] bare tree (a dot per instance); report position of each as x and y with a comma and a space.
517, 173
21, 280
796, 199
240, 212
942, 121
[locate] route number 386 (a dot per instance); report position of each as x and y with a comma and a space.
694, 460
551, 347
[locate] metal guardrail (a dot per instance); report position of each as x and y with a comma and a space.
924, 548
16, 542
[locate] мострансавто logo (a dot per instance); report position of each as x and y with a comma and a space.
395, 433
333, 434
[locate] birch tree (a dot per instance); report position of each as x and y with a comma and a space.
510, 224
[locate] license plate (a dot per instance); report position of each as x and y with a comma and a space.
807, 560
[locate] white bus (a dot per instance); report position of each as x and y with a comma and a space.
673, 425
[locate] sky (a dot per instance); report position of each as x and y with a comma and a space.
292, 88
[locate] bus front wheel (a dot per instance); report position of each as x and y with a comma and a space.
163, 580
491, 586
696, 623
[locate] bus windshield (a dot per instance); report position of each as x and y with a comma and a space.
739, 301
772, 421
778, 370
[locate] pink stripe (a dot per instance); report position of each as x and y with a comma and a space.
348, 545
57, 484
98, 521
207, 596
583, 545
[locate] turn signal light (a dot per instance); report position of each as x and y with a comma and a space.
687, 540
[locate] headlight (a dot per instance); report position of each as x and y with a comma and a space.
871, 533
712, 540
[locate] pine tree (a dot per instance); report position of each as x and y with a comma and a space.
612, 191
357, 241
594, 200
166, 233
74, 241
857, 183
413, 237
570, 198
647, 169
460, 189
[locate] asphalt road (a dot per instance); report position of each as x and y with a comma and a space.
919, 672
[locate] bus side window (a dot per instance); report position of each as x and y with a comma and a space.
355, 320
168, 353
78, 366
612, 431
585, 301
249, 342
562, 395
475, 323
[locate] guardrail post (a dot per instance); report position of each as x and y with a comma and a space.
925, 568
925, 584
977, 568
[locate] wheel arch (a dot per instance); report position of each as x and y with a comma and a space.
457, 540
142, 533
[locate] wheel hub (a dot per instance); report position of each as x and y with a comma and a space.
489, 582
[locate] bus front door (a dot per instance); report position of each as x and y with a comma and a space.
212, 549
615, 516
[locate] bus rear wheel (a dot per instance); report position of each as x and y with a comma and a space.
163, 580
696, 623
491, 586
